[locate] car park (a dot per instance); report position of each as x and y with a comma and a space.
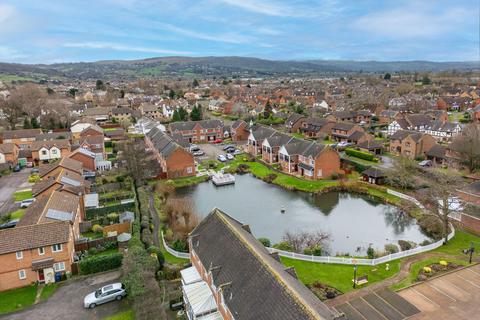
27, 202
228, 146
230, 150
198, 153
230, 157
194, 148
237, 152
217, 141
111, 292
221, 158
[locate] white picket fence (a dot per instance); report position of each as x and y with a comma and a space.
346, 260
177, 254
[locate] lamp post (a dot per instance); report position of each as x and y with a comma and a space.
354, 261
470, 251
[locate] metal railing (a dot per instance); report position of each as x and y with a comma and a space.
183, 255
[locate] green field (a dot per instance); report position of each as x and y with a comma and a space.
17, 214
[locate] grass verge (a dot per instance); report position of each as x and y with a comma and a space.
22, 195
187, 181
125, 315
17, 299
48, 290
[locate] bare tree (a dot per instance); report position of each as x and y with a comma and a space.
139, 163
467, 146
304, 239
440, 198
182, 217
12, 110
402, 174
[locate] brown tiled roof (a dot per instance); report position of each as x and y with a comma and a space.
65, 162
42, 263
61, 144
34, 236
7, 148
22, 133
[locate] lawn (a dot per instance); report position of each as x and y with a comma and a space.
188, 181
92, 235
460, 242
417, 266
17, 214
22, 195
339, 276
48, 290
171, 258
16, 299
125, 315
108, 150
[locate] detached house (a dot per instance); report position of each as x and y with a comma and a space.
256, 137
294, 122
411, 144
317, 127
349, 132
44, 151
239, 131
174, 160
443, 131
233, 276
9, 153
23, 138
413, 122
199, 131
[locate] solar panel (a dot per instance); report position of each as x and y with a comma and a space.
69, 181
59, 215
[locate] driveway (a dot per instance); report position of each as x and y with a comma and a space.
67, 302
8, 185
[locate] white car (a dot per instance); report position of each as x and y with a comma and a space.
221, 158
114, 291
230, 157
237, 152
25, 203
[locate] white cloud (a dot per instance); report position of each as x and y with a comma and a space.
412, 21
120, 47
224, 37
10, 54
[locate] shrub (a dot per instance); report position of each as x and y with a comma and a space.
427, 269
101, 263
120, 178
404, 245
97, 228
269, 178
112, 216
285, 246
34, 178
158, 254
313, 251
425, 243
360, 154
110, 245
391, 248
265, 241
371, 253
168, 235
431, 225
179, 245
92, 251
443, 263
242, 168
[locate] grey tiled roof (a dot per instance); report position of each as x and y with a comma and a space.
254, 284
163, 143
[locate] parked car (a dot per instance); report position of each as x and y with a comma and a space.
344, 144
194, 148
230, 156
198, 153
425, 163
221, 158
228, 146
114, 291
217, 141
230, 150
9, 224
34, 170
17, 168
237, 152
27, 202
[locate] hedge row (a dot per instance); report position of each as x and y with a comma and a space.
358, 166
94, 213
101, 263
360, 154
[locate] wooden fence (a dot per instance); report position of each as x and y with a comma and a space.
85, 244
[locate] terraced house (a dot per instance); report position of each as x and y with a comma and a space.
23, 138
45, 151
199, 131
174, 160
233, 276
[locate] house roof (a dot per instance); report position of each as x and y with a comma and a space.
6, 148
61, 144
370, 144
34, 236
294, 118
162, 142
374, 172
189, 125
65, 162
54, 136
254, 284
21, 133
344, 126
437, 151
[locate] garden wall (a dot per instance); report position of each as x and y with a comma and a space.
118, 227
92, 243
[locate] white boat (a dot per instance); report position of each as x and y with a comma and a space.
222, 179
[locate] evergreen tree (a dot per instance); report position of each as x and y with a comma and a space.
51, 123
176, 116
267, 111
195, 83
26, 124
183, 114
171, 94
387, 76
196, 113
34, 123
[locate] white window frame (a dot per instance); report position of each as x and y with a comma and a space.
41, 251
189, 170
19, 255
22, 275
57, 268
55, 245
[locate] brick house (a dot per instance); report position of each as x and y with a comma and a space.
151, 111
23, 138
294, 122
174, 160
45, 151
413, 122
271, 145
94, 144
239, 131
255, 138
233, 276
361, 116
344, 131
9, 153
411, 144
86, 157
123, 114
63, 180
53, 169
198, 131
91, 130
317, 127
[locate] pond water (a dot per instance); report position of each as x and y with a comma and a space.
353, 221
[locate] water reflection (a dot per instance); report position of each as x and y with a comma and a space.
353, 221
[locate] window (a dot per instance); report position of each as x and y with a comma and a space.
21, 274
54, 151
57, 248
41, 251
189, 169
19, 255
44, 152
59, 266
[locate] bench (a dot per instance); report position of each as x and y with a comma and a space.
361, 280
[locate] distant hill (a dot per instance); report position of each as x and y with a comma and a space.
218, 66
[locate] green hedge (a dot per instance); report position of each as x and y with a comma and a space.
358, 166
101, 263
93, 213
360, 154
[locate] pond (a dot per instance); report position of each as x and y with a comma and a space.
353, 221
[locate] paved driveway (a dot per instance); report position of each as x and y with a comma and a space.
454, 296
8, 185
67, 302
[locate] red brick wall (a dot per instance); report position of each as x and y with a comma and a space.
329, 162
178, 163
88, 162
471, 223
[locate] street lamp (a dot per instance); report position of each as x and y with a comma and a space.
470, 251
354, 261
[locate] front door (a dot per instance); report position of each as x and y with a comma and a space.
49, 275
41, 276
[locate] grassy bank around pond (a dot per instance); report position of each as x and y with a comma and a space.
339, 276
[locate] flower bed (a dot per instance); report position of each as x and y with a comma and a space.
435, 269
323, 291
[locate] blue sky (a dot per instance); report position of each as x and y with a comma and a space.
49, 31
